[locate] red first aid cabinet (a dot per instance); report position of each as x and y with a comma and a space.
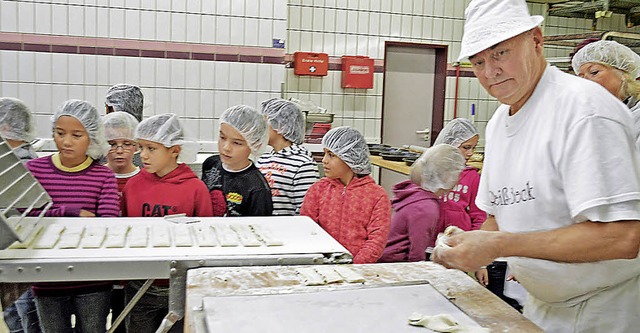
308, 63
357, 72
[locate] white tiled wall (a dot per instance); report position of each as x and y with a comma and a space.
200, 90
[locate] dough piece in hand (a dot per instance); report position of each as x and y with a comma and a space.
138, 236
49, 237
443, 323
226, 236
310, 276
348, 274
441, 241
329, 274
93, 237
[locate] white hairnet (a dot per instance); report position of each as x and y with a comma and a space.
610, 53
438, 168
119, 125
251, 125
90, 119
285, 118
16, 122
456, 132
350, 146
126, 98
166, 130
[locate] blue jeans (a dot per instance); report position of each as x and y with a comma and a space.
22, 315
147, 314
91, 312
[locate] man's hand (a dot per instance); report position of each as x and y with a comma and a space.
468, 251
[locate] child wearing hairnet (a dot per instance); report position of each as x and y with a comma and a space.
17, 127
416, 207
164, 187
119, 131
125, 98
459, 205
289, 168
80, 187
347, 203
231, 175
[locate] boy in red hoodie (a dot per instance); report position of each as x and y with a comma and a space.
163, 187
347, 203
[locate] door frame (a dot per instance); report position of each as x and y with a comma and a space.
439, 84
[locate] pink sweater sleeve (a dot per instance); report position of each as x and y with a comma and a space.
311, 203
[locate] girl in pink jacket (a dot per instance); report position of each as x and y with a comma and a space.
458, 207
347, 203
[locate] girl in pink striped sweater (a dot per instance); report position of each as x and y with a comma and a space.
79, 187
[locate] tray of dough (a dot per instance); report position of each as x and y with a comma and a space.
343, 298
74, 249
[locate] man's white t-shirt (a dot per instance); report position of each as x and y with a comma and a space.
567, 156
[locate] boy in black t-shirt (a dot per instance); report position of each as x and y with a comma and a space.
237, 187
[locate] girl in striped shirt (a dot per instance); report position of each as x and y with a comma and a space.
79, 187
289, 168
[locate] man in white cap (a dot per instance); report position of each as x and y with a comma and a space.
560, 182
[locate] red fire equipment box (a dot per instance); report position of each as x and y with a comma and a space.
357, 72
307, 63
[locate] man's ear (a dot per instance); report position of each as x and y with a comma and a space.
538, 39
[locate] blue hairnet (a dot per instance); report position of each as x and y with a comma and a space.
126, 98
251, 125
348, 144
438, 168
456, 132
166, 130
16, 121
285, 118
90, 119
119, 125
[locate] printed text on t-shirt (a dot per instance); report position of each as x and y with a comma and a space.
511, 196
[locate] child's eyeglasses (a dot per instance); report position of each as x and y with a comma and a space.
125, 146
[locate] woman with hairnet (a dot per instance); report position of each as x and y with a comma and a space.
236, 186
289, 168
616, 68
17, 127
416, 207
347, 203
79, 187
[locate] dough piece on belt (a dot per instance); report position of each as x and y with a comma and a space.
329, 274
310, 276
182, 235
93, 237
71, 237
138, 236
226, 236
205, 236
160, 236
49, 237
266, 235
116, 236
247, 237
348, 274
